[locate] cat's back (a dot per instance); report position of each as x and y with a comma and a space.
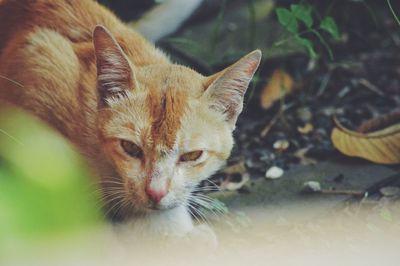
40, 45
73, 19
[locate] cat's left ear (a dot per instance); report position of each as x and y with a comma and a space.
225, 90
114, 72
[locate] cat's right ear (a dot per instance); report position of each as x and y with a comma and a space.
114, 72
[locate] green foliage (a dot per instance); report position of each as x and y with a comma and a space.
44, 187
287, 20
329, 25
301, 14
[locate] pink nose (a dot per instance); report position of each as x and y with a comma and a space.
155, 195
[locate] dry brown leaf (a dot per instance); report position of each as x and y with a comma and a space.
382, 146
307, 128
280, 84
381, 122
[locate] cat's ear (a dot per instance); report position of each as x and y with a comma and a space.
225, 90
114, 72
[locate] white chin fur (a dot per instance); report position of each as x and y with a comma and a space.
175, 222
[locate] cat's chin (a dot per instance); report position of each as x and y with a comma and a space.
160, 208
145, 211
157, 223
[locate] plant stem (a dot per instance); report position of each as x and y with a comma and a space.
394, 13
292, 37
324, 43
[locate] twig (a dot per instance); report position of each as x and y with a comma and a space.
324, 84
391, 180
370, 86
271, 123
355, 193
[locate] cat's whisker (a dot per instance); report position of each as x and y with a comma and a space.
112, 208
109, 202
204, 216
119, 208
216, 213
113, 193
12, 81
214, 184
192, 214
111, 190
207, 206
210, 203
126, 208
110, 183
198, 211
196, 214
205, 190
108, 198
206, 187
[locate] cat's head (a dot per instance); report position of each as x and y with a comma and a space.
164, 127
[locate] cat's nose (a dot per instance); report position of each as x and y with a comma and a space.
155, 195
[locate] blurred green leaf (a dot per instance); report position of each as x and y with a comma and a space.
303, 13
328, 24
287, 19
44, 185
308, 45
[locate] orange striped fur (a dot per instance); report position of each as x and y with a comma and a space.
99, 85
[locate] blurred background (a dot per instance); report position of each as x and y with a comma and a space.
314, 177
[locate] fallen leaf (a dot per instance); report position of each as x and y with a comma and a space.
382, 146
274, 172
307, 128
280, 84
381, 122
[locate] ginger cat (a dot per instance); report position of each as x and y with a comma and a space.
150, 129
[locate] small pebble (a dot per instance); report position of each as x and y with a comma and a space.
304, 114
312, 186
274, 172
281, 145
329, 111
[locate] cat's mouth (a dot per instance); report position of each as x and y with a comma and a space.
125, 198
126, 207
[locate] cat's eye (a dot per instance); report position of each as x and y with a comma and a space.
190, 156
131, 149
